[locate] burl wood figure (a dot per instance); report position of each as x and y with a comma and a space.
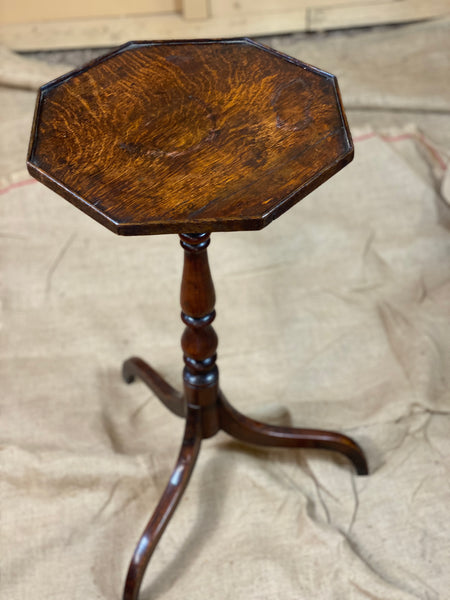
191, 137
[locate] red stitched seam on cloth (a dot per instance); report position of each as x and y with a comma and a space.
17, 185
406, 136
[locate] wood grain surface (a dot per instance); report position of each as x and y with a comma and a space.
191, 137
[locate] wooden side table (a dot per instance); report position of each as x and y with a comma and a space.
192, 137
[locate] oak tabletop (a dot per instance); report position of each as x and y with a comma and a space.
188, 136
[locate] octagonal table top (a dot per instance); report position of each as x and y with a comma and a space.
188, 136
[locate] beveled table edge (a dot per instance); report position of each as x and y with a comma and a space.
199, 225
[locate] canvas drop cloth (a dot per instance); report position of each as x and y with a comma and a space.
335, 316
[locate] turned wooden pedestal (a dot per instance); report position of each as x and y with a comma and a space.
191, 138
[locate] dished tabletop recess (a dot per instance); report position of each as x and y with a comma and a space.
188, 136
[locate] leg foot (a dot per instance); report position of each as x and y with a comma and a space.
170, 397
248, 430
167, 505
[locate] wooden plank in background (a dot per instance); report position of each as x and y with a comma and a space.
29, 11
311, 15
370, 13
237, 8
195, 9
98, 33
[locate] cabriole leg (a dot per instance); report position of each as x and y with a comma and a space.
169, 396
167, 505
253, 432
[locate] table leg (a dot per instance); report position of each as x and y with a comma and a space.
248, 430
169, 396
167, 505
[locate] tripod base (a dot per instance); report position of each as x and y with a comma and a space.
234, 423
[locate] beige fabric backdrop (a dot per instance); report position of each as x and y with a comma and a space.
335, 316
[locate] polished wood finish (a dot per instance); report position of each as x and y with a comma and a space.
169, 396
189, 136
199, 340
206, 407
166, 507
193, 137
254, 432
